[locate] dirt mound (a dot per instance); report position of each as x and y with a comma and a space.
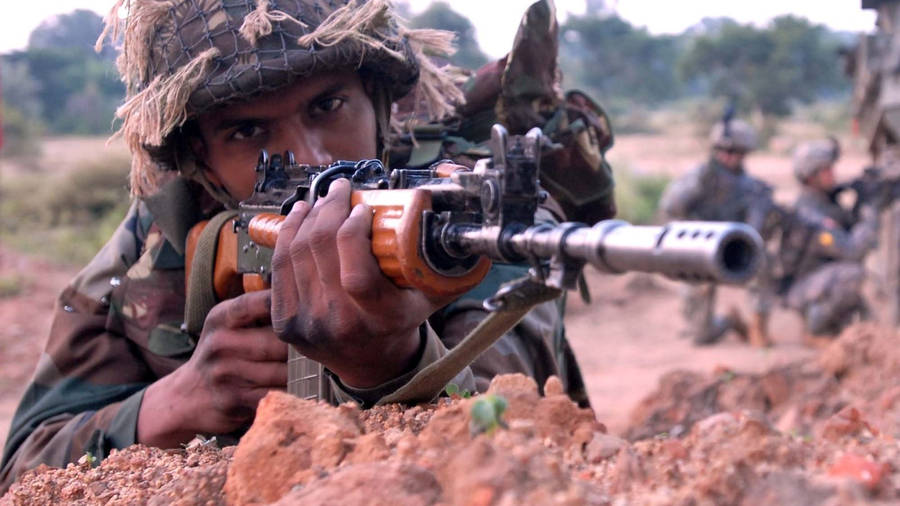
820, 432
855, 379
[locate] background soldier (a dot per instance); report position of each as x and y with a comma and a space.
211, 83
823, 263
721, 190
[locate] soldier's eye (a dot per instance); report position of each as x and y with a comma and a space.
329, 104
247, 131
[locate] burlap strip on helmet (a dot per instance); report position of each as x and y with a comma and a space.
259, 22
436, 88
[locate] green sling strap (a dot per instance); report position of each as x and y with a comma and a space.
428, 383
201, 295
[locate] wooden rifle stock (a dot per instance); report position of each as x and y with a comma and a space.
396, 242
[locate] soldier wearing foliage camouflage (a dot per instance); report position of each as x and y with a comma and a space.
824, 265
211, 83
721, 190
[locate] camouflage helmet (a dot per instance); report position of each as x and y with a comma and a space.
180, 58
813, 156
733, 134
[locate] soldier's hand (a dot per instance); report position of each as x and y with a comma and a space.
331, 300
237, 360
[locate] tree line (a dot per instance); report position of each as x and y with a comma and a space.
59, 85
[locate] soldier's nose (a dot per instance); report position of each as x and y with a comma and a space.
309, 149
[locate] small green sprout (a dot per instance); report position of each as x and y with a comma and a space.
89, 458
452, 390
487, 412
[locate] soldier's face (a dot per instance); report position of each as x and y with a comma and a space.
731, 158
321, 119
824, 179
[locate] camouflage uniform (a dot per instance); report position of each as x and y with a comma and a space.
116, 330
825, 262
714, 192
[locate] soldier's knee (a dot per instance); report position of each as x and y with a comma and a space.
819, 320
849, 276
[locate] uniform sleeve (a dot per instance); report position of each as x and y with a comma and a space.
534, 347
680, 197
88, 384
432, 349
852, 245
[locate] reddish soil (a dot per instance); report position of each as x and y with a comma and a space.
818, 431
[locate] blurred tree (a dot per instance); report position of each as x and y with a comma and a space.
440, 15
614, 61
21, 110
77, 31
767, 69
20, 89
78, 89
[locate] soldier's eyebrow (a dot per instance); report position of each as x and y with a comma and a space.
229, 123
328, 89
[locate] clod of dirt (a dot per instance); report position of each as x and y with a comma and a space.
290, 443
398, 485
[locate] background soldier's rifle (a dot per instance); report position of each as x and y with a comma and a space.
438, 231
873, 187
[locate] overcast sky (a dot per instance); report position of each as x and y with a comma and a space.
496, 20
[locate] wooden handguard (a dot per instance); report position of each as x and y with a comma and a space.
396, 225
227, 281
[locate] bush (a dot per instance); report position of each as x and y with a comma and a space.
637, 196
833, 116
10, 286
21, 134
64, 217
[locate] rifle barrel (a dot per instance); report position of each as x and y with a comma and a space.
723, 252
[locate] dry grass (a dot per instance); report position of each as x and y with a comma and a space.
64, 204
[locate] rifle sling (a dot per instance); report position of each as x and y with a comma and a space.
201, 295
428, 383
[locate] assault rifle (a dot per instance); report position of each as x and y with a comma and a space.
873, 187
439, 229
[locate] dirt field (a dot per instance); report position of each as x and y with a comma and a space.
626, 340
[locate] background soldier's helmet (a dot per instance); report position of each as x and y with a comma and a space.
813, 156
181, 58
734, 134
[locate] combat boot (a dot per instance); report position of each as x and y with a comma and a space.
759, 330
737, 323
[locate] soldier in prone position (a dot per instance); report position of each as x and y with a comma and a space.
722, 190
210, 84
824, 266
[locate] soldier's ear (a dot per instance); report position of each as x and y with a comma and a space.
199, 151
194, 140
